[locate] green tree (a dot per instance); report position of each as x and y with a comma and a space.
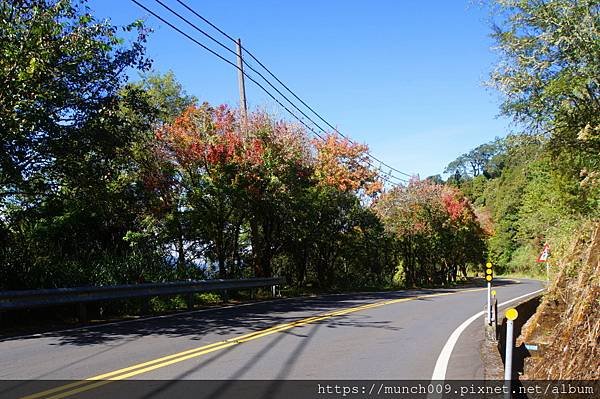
550, 75
65, 193
61, 71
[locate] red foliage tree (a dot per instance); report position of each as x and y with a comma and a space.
345, 165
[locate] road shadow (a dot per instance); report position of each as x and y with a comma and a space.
229, 322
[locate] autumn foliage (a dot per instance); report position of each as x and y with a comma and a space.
437, 230
345, 165
206, 138
267, 181
244, 178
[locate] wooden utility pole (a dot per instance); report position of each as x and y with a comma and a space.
242, 86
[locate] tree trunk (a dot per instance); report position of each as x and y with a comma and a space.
222, 267
237, 260
256, 248
181, 269
266, 250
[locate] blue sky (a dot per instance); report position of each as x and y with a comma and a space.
405, 77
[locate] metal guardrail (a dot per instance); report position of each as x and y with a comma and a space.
26, 299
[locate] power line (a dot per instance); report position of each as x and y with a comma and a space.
390, 175
234, 53
387, 179
371, 156
197, 28
279, 81
207, 21
223, 59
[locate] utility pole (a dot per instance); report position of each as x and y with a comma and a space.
242, 86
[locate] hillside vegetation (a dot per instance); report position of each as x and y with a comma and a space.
108, 181
567, 324
543, 185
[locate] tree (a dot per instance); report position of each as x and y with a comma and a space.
436, 229
160, 223
65, 193
550, 74
478, 161
230, 172
195, 157
61, 71
273, 184
345, 165
165, 94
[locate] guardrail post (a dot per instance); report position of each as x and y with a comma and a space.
251, 293
190, 301
511, 314
225, 295
82, 312
491, 328
145, 305
495, 316
273, 291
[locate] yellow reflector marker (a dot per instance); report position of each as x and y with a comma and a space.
488, 265
488, 271
511, 314
493, 292
488, 277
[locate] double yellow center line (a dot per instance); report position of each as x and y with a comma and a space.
64, 391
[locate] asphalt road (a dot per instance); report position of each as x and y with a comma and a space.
388, 335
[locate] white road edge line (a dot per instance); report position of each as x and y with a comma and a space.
439, 372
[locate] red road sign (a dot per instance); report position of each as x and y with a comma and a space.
544, 255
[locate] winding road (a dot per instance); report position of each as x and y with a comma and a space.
407, 335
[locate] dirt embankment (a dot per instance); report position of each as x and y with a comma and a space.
567, 323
